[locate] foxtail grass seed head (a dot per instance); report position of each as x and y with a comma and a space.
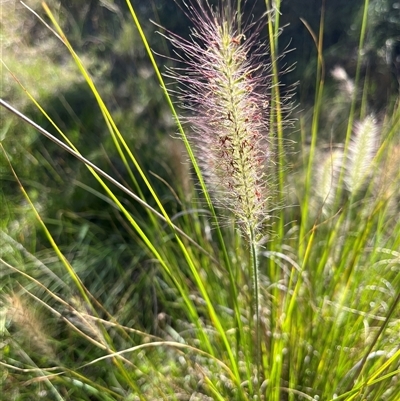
225, 87
30, 327
327, 178
346, 84
361, 153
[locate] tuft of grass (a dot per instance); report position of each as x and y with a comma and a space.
171, 304
225, 90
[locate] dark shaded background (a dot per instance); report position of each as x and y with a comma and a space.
99, 26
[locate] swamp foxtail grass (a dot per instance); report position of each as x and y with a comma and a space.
225, 87
175, 312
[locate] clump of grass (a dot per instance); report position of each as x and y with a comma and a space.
225, 89
310, 314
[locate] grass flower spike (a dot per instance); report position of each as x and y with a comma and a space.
225, 87
361, 153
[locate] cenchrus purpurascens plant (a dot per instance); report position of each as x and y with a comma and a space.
225, 88
328, 318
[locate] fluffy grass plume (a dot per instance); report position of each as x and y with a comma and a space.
225, 87
361, 153
327, 177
